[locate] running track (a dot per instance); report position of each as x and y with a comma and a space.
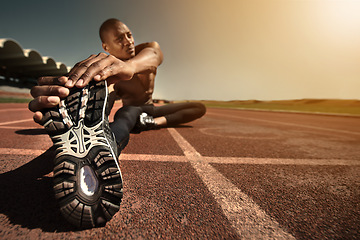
233, 174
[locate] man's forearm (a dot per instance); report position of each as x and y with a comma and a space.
102, 66
147, 59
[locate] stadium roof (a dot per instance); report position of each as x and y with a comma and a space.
16, 62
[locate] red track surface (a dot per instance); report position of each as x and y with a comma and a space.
232, 174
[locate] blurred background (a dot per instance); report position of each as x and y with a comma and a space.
214, 49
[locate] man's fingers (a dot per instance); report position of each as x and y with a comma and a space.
43, 102
73, 75
48, 80
49, 90
38, 117
99, 70
104, 74
80, 73
77, 65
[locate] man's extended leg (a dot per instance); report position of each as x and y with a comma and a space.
176, 113
124, 121
87, 177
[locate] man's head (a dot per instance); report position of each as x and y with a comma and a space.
117, 39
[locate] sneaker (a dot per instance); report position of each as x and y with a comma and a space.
87, 178
144, 122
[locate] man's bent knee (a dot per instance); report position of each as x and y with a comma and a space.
201, 109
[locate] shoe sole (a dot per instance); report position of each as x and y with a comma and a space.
87, 178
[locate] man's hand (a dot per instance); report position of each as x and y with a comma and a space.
98, 67
47, 95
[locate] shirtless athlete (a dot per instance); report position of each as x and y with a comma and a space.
87, 178
130, 72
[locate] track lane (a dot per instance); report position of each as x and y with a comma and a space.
165, 196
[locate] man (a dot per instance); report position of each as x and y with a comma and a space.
88, 183
130, 70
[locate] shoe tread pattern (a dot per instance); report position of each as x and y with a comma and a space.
81, 210
88, 212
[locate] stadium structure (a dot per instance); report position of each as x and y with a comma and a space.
20, 66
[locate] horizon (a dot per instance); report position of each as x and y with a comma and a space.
216, 50
293, 99
17, 89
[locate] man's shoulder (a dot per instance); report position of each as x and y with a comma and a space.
141, 46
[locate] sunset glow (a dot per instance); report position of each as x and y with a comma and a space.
223, 50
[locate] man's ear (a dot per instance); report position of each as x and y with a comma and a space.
105, 47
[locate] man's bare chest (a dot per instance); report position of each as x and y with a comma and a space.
137, 85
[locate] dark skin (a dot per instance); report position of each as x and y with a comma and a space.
130, 72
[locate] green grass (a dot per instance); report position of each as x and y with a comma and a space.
14, 100
351, 107
342, 110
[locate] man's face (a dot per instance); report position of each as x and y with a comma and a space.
119, 42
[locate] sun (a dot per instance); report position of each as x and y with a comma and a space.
340, 17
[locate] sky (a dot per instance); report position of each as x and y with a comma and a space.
213, 49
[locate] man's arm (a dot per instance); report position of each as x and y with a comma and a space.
50, 89
148, 57
98, 67
103, 66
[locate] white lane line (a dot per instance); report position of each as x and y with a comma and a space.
246, 217
156, 158
17, 121
286, 123
226, 160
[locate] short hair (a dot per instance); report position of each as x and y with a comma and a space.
106, 26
